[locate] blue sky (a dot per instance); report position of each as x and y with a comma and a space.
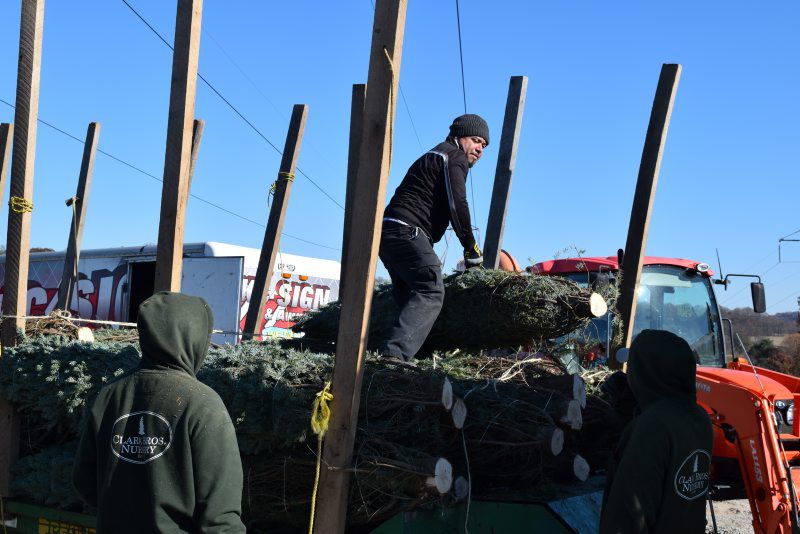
728, 178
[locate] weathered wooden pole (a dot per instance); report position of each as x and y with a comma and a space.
644, 195
197, 135
506, 158
369, 192
6, 131
78, 203
356, 127
19, 215
277, 214
177, 159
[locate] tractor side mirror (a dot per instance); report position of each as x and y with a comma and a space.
759, 299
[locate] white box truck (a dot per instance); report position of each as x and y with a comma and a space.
113, 282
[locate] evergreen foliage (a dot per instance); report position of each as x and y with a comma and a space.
483, 309
403, 427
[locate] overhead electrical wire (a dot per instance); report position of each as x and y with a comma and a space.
232, 107
156, 178
464, 93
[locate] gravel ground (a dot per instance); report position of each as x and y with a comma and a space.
733, 517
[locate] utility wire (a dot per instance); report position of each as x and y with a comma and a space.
232, 107
244, 74
790, 235
464, 93
410, 118
157, 179
787, 297
460, 55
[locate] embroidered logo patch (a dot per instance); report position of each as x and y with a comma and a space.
692, 478
140, 437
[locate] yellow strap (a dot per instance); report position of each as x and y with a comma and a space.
20, 205
320, 418
391, 104
289, 177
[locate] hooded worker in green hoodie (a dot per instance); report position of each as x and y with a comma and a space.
158, 452
659, 479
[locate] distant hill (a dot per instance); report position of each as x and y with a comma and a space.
760, 325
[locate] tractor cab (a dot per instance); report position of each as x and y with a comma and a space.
674, 294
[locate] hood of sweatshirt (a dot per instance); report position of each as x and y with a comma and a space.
174, 332
661, 365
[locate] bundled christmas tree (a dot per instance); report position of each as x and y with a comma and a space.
483, 309
450, 427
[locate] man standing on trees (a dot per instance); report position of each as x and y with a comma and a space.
431, 196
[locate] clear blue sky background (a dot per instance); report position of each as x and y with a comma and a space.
728, 178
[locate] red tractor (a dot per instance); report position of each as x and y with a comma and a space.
756, 433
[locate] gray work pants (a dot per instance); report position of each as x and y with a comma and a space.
417, 287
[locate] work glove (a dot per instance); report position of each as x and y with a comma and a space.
473, 257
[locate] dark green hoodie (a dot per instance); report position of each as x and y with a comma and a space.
661, 476
159, 452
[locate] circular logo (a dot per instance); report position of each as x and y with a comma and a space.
692, 478
140, 437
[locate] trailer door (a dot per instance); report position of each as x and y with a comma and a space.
219, 281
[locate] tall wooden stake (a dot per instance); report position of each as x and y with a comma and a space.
277, 213
79, 202
197, 135
177, 159
362, 251
506, 158
19, 217
645, 194
356, 126
6, 131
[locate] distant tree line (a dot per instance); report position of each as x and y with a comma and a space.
758, 331
757, 325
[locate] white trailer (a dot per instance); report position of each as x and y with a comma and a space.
113, 282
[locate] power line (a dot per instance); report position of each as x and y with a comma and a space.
464, 93
410, 118
460, 55
244, 74
157, 179
787, 297
232, 107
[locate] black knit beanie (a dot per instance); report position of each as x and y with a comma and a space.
469, 125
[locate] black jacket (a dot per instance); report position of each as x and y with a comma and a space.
433, 194
661, 476
159, 452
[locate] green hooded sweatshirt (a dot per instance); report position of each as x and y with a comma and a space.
660, 477
158, 452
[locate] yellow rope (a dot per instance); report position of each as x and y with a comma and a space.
320, 418
289, 177
391, 104
20, 205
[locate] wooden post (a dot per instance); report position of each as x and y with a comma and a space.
78, 204
177, 158
362, 252
356, 126
197, 135
6, 131
277, 213
646, 183
15, 290
506, 158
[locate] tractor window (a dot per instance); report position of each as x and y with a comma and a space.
681, 301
